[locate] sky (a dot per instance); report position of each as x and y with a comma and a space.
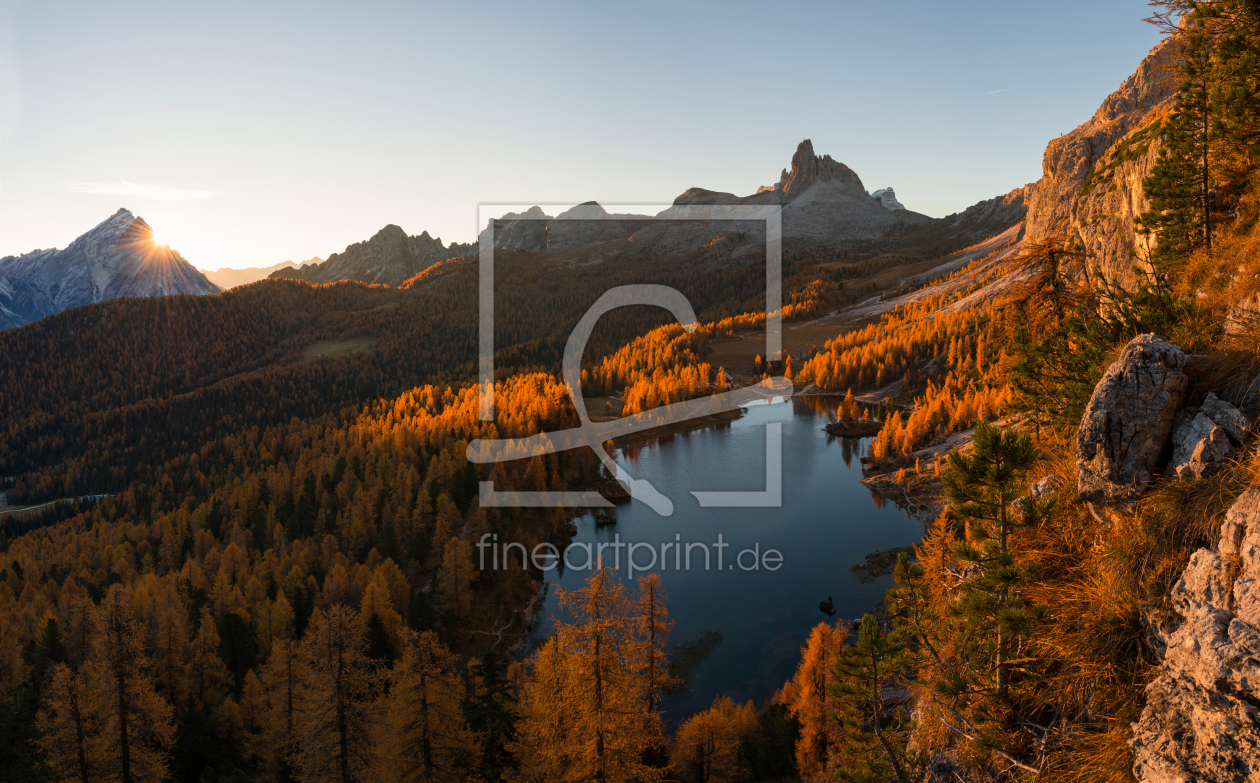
250, 135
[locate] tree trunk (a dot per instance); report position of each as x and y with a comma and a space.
877, 705
1001, 635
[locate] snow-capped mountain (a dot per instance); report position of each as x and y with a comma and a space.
117, 258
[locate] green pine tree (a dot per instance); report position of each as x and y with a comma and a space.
981, 489
491, 712
875, 732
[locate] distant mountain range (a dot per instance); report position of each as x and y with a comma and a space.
227, 277
117, 258
390, 257
823, 200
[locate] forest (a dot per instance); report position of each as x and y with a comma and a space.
275, 579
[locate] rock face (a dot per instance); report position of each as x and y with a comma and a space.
822, 200
887, 198
1128, 420
117, 258
390, 257
1091, 188
1202, 718
1205, 435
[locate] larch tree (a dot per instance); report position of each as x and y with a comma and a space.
69, 727
136, 727
456, 577
333, 725
545, 746
170, 643
809, 699
611, 727
709, 746
425, 735
207, 676
284, 697
650, 649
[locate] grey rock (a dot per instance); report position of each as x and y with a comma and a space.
1227, 417
887, 198
1128, 420
1204, 435
1201, 721
1199, 446
116, 259
1244, 317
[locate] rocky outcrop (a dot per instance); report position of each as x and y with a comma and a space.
822, 200
887, 198
1091, 185
1128, 420
116, 259
1201, 721
390, 257
1204, 436
1244, 317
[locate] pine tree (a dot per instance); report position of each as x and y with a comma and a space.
50, 649
875, 734
1181, 184
238, 649
136, 728
492, 715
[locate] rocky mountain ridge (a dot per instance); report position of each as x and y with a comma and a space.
390, 257
117, 258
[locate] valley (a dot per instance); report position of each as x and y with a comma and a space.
1004, 528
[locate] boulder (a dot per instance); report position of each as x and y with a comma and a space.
1128, 420
1202, 720
1244, 317
1204, 436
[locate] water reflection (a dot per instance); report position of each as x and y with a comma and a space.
750, 624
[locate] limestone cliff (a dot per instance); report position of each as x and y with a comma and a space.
1091, 185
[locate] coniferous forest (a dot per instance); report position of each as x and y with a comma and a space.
241, 553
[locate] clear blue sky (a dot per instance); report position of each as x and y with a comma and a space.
251, 136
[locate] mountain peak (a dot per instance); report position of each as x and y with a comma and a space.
888, 198
117, 258
808, 168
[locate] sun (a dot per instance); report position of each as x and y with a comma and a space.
159, 241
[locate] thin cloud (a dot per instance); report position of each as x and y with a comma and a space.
146, 192
995, 92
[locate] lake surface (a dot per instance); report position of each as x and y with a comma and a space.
828, 522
